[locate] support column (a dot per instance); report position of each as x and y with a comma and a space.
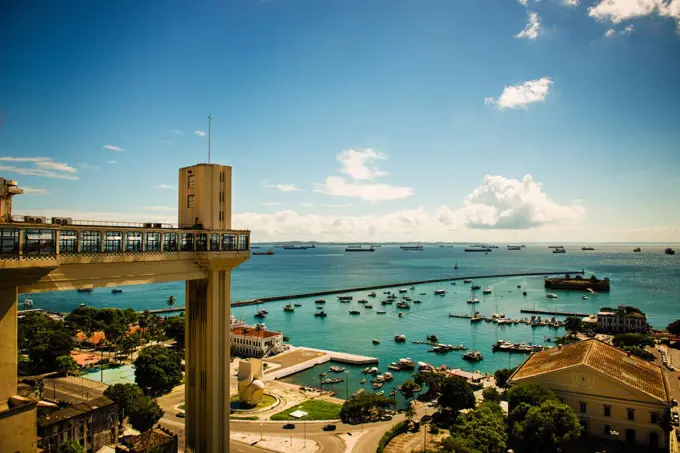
9, 299
207, 358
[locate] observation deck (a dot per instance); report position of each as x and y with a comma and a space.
75, 254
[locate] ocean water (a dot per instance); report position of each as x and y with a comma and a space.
649, 280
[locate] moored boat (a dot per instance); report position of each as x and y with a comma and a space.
400, 338
116, 291
374, 341
551, 296
669, 251
354, 312
288, 308
321, 314
320, 301
473, 356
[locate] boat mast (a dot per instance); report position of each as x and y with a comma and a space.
209, 133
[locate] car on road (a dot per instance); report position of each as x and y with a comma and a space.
676, 419
385, 418
289, 426
328, 427
677, 435
181, 415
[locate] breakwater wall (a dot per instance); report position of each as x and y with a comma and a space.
554, 313
391, 285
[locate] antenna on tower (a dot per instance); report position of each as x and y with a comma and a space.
209, 126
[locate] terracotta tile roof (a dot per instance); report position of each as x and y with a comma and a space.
251, 332
629, 370
147, 440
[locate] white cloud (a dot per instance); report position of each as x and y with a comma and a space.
523, 2
306, 205
284, 187
176, 132
113, 148
35, 191
514, 96
509, 204
335, 205
358, 163
42, 166
572, 2
271, 203
609, 33
340, 187
165, 186
532, 28
111, 161
627, 30
200, 133
617, 11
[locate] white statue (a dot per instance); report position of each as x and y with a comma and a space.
250, 382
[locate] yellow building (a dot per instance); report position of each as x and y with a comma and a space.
614, 394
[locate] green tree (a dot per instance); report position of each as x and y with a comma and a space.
174, 329
480, 430
639, 352
674, 327
85, 319
632, 339
126, 395
127, 344
410, 412
573, 324
157, 370
66, 363
547, 426
44, 348
409, 388
501, 376
532, 394
567, 339
171, 301
491, 394
71, 446
364, 408
145, 413
433, 380
456, 394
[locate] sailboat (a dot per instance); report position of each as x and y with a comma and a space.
473, 299
456, 266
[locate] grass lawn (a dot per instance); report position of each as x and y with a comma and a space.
316, 410
267, 400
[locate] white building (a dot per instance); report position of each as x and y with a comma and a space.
623, 319
248, 341
235, 322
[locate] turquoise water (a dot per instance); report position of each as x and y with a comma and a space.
649, 280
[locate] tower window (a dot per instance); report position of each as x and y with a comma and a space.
192, 181
190, 201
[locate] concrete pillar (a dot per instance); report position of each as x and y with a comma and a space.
9, 298
207, 345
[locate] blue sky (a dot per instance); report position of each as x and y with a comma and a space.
394, 120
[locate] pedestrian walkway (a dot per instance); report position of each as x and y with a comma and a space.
288, 444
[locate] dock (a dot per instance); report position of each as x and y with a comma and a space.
302, 358
555, 313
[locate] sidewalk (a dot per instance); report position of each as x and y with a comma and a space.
288, 444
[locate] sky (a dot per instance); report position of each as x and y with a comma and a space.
353, 120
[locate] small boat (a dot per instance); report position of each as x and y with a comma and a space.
374, 341
386, 302
380, 393
288, 308
403, 290
514, 248
264, 311
359, 249
260, 314
85, 290
319, 308
358, 392
320, 301
401, 314
268, 252
336, 369
400, 338
456, 266
476, 317
297, 305
363, 381
473, 356
116, 291
551, 296
83, 304
368, 306
372, 294
439, 292
585, 298
467, 280
524, 293
559, 251
380, 312
422, 294
474, 300
487, 291
433, 338
669, 251
417, 301
548, 339
345, 297
637, 249
354, 312
321, 314
363, 301
476, 287
322, 374
377, 385
403, 305
587, 249
519, 286
412, 287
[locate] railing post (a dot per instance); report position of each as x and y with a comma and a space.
57, 240
21, 242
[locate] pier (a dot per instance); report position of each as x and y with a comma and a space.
303, 358
555, 313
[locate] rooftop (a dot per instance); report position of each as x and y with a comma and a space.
147, 440
252, 332
74, 411
629, 370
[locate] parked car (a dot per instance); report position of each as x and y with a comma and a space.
385, 418
328, 427
676, 419
181, 414
289, 426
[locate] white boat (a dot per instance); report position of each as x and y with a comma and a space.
487, 291
585, 298
551, 296
467, 280
403, 290
439, 292
372, 294
400, 338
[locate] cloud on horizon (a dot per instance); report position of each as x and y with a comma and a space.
520, 96
40, 166
284, 187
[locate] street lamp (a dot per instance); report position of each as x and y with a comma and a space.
614, 435
347, 384
261, 433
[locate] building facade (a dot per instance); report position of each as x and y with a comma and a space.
622, 319
159, 440
93, 424
614, 395
248, 341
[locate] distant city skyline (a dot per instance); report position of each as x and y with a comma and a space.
353, 121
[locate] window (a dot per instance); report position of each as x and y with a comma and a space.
113, 241
631, 414
192, 181
190, 201
40, 242
630, 436
153, 242
215, 241
582, 407
607, 430
9, 241
220, 216
186, 242
607, 411
90, 241
201, 242
133, 241
243, 242
228, 241
170, 242
68, 241
653, 417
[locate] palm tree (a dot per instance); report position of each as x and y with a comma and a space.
171, 302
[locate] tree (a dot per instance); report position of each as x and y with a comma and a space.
66, 363
432, 380
547, 426
410, 412
480, 430
127, 344
491, 394
126, 395
632, 339
174, 329
157, 370
171, 301
567, 339
501, 376
363, 408
674, 327
456, 394
71, 446
573, 324
144, 414
532, 394
409, 388
639, 352
47, 345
